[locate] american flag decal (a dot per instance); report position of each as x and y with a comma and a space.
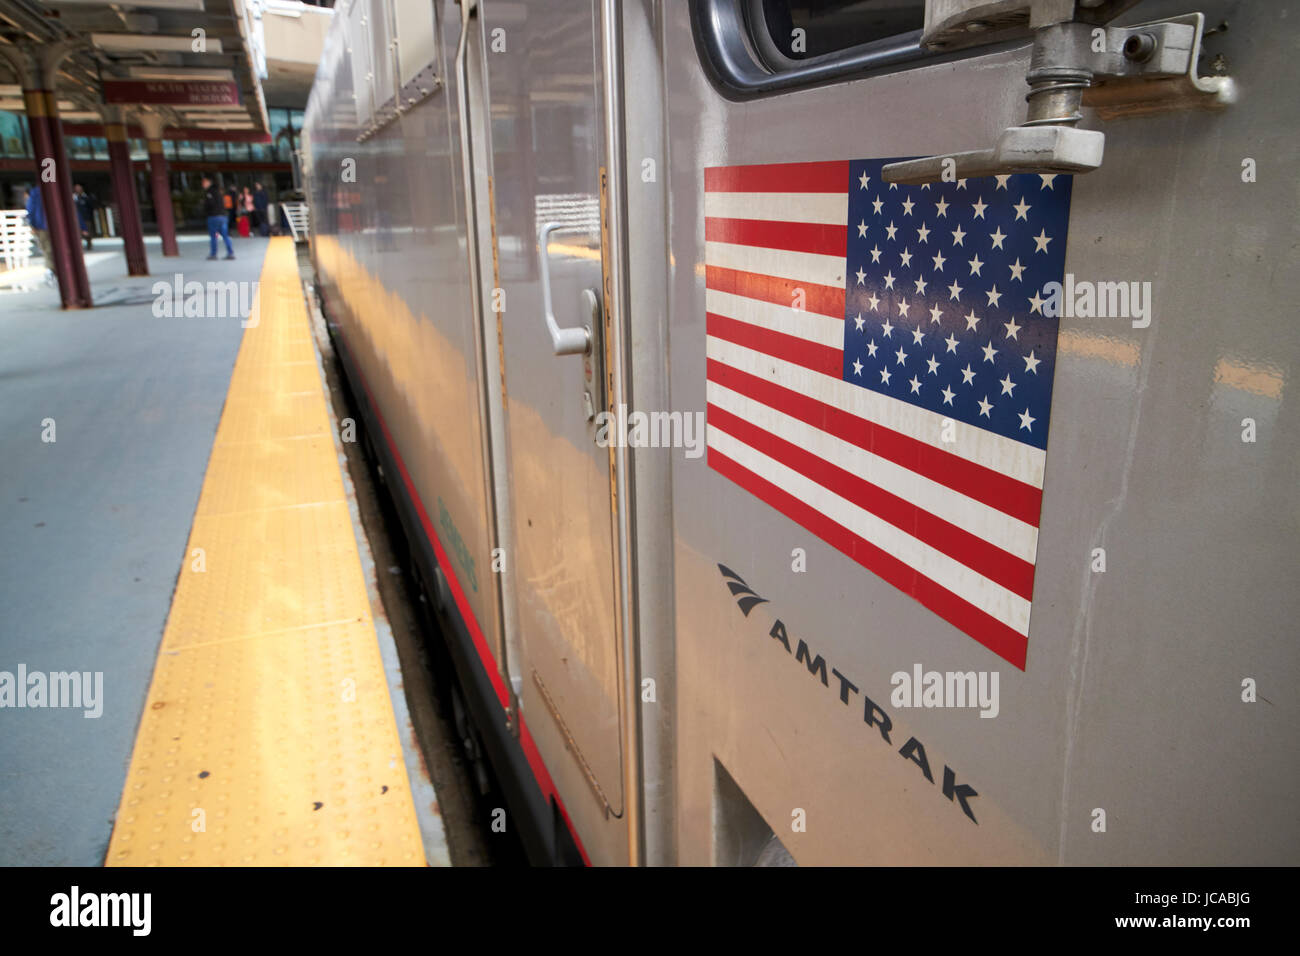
880, 371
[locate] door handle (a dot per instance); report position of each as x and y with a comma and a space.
574, 340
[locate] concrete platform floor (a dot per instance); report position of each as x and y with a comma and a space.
94, 525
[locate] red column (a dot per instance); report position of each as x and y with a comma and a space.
162, 198
55, 178
128, 207
65, 188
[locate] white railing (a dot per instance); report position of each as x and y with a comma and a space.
16, 239
18, 274
296, 213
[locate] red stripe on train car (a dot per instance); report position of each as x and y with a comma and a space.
1013, 573
818, 238
529, 747
827, 177
1010, 496
1005, 641
823, 299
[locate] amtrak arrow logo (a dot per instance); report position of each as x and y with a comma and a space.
738, 587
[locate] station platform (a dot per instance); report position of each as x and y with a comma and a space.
182, 533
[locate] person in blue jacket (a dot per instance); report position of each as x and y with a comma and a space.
36, 219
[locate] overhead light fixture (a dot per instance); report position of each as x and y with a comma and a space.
145, 43
66, 107
158, 4
153, 73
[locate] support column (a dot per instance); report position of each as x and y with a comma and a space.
152, 124
37, 67
55, 180
128, 207
64, 187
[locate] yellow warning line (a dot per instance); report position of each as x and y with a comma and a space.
268, 735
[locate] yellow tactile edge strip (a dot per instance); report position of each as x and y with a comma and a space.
268, 735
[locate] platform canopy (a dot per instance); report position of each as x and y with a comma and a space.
190, 63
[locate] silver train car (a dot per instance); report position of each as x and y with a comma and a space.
839, 431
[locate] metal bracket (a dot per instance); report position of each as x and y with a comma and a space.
593, 361
1146, 68
1157, 71
418, 89
1020, 149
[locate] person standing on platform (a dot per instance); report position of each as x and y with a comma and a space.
232, 208
246, 211
214, 208
261, 203
36, 219
86, 204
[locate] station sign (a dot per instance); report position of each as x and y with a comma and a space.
172, 92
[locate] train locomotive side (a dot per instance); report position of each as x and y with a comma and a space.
798, 481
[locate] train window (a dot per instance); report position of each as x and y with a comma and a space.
752, 47
416, 43
799, 30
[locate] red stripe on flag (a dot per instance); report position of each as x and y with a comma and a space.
813, 355
1012, 497
820, 238
998, 637
822, 299
830, 177
1014, 574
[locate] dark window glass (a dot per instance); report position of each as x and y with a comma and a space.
215, 151
13, 135
281, 134
238, 152
803, 29
190, 149
99, 147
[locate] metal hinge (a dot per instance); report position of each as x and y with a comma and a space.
1076, 62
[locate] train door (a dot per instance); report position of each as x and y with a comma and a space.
537, 178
